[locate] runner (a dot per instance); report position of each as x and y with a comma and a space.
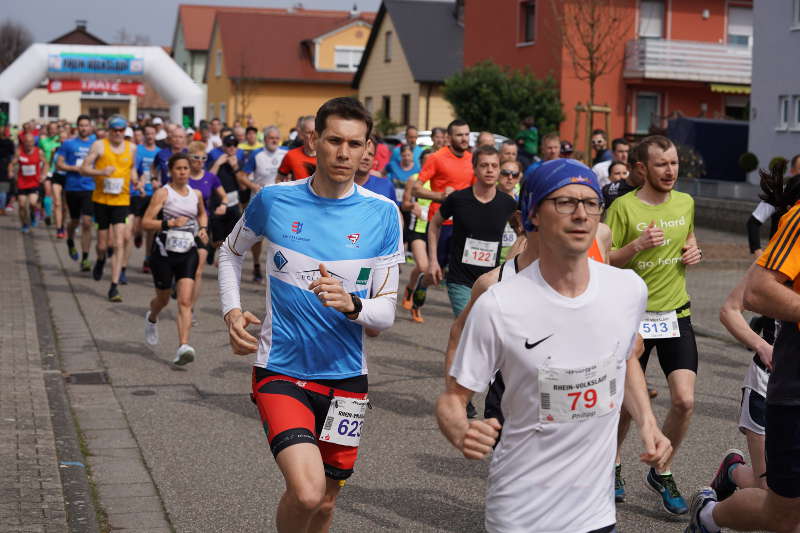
634, 179
145, 157
508, 182
369, 181
767, 291
112, 164
31, 165
551, 149
160, 169
653, 234
173, 258
211, 189
553, 440
7, 150
438, 138
620, 150
227, 169
310, 353
49, 143
78, 190
59, 179
300, 162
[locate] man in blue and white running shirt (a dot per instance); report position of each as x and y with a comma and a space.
177, 143
333, 249
145, 156
78, 189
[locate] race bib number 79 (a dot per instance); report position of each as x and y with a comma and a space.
577, 394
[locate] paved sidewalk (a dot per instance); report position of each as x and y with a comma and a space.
31, 496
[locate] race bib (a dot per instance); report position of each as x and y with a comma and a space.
577, 394
232, 198
113, 185
179, 241
509, 237
479, 253
344, 422
28, 170
659, 325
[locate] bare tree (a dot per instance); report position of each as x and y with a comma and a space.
14, 39
245, 88
124, 37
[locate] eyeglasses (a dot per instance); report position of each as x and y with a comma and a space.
198, 157
567, 205
511, 173
118, 130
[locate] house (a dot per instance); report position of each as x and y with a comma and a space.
680, 58
276, 67
775, 117
414, 46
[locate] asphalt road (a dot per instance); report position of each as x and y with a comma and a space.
202, 440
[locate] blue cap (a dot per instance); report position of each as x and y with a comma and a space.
117, 123
551, 176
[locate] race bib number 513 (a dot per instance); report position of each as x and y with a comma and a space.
659, 325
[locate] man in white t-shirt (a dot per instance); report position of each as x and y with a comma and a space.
562, 331
262, 168
620, 148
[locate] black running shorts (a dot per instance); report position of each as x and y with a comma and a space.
677, 353
783, 450
174, 266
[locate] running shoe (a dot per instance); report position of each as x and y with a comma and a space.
700, 500
664, 486
86, 265
420, 292
416, 316
146, 266
114, 295
61, 234
257, 277
150, 330
137, 240
110, 252
408, 301
97, 271
73, 252
619, 485
195, 322
123, 278
651, 390
34, 221
25, 228
48, 221
184, 355
722, 483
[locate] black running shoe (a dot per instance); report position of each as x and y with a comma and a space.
97, 271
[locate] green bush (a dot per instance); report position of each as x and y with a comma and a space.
777, 160
690, 163
496, 99
748, 161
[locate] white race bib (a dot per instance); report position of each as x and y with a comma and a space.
113, 185
509, 237
179, 241
577, 394
79, 163
659, 325
232, 198
480, 253
28, 170
344, 422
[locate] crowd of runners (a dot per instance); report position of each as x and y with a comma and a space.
563, 280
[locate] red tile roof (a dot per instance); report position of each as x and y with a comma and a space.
277, 46
198, 20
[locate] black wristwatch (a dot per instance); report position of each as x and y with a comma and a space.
358, 305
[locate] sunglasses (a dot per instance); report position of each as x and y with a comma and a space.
511, 173
198, 157
118, 130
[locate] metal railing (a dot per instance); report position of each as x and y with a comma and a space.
724, 190
688, 60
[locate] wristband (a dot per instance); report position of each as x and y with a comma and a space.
357, 307
164, 225
203, 227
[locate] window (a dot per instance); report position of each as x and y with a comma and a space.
223, 112
783, 112
218, 64
527, 21
48, 112
387, 43
796, 15
387, 106
406, 109
347, 58
740, 26
651, 19
796, 121
737, 106
646, 111
368, 104
211, 110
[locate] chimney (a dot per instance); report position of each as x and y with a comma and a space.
80, 24
354, 11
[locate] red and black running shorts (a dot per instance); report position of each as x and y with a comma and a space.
293, 411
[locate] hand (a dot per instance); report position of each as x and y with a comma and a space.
416, 210
242, 343
140, 187
178, 222
691, 255
232, 161
650, 238
435, 272
480, 437
764, 351
220, 210
758, 252
657, 447
330, 292
221, 160
203, 234
447, 192
108, 171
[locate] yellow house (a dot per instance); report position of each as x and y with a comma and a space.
277, 67
413, 47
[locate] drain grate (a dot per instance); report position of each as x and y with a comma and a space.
87, 378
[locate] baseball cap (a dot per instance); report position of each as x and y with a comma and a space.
128, 132
117, 123
549, 177
566, 147
157, 120
230, 140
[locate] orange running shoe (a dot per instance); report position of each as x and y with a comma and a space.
407, 298
416, 316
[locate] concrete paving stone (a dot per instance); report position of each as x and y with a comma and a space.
133, 505
125, 490
114, 470
138, 520
109, 438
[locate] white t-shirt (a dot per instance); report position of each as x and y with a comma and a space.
214, 141
552, 477
267, 164
601, 171
763, 211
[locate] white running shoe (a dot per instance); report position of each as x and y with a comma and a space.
150, 330
184, 355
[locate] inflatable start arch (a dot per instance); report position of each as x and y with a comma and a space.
74, 61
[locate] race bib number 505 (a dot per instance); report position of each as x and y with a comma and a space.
344, 422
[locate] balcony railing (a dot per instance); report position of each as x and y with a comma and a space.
688, 61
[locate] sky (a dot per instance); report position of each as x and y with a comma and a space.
48, 19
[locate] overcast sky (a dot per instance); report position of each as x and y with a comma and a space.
48, 19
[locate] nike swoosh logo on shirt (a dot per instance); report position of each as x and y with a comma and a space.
530, 346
